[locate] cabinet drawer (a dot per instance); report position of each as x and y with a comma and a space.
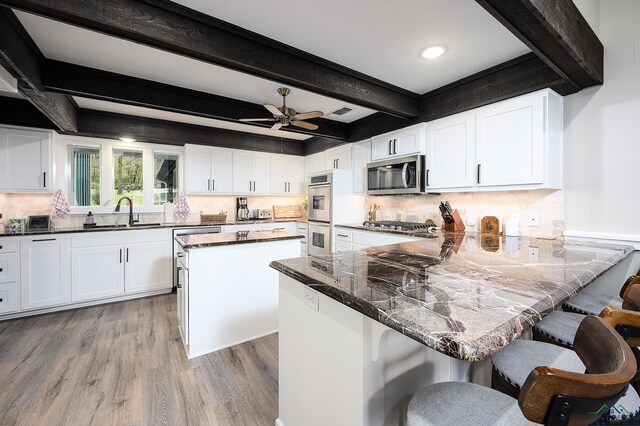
9, 245
9, 299
379, 239
9, 267
343, 235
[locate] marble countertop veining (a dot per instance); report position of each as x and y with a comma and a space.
196, 241
465, 295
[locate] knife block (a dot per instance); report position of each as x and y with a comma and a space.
456, 225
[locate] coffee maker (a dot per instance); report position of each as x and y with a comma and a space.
243, 210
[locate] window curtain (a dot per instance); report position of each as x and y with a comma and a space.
83, 178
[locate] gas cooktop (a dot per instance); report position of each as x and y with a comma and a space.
400, 226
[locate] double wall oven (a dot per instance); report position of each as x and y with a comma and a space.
320, 209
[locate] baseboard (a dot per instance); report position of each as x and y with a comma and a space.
71, 306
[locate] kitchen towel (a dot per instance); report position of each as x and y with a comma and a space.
59, 205
182, 208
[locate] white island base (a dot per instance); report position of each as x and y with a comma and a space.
341, 368
229, 294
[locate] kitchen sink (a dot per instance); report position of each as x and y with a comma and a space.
124, 225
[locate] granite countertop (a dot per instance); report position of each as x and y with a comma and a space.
138, 226
465, 295
227, 238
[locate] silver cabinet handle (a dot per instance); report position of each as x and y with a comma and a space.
213, 184
208, 184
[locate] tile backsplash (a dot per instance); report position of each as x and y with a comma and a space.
22, 205
547, 204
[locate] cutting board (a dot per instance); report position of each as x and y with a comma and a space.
490, 225
287, 212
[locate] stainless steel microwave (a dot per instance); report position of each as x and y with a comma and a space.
404, 175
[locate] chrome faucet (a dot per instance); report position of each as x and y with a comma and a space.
131, 221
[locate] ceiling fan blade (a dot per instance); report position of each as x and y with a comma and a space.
304, 125
276, 126
307, 115
257, 119
273, 110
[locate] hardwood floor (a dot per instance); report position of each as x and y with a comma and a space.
124, 363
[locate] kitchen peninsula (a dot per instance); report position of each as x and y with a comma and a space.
386, 321
227, 294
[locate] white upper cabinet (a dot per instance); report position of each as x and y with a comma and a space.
25, 161
208, 170
450, 152
251, 172
287, 174
315, 163
519, 142
361, 157
407, 141
338, 157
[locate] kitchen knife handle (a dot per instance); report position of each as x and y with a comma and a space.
478, 173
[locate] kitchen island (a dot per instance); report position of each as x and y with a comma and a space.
360, 332
227, 294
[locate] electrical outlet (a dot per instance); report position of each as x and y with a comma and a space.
534, 254
534, 219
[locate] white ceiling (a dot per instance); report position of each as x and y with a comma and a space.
380, 38
183, 118
72, 44
377, 37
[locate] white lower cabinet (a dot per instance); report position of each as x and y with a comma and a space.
146, 267
96, 273
9, 275
44, 277
9, 298
350, 239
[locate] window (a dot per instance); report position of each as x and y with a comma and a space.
127, 175
85, 176
165, 181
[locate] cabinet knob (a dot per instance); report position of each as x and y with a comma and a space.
1, 299
1, 269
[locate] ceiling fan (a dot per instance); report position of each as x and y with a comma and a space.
286, 116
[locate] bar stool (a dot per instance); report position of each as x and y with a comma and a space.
511, 365
549, 395
560, 327
588, 303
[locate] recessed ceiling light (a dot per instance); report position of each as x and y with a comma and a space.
433, 52
127, 139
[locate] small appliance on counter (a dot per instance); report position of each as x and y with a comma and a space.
261, 213
243, 211
39, 222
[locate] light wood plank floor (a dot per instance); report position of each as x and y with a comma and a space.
124, 364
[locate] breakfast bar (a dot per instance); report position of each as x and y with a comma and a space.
386, 321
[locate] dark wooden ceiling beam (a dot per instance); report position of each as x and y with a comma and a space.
20, 112
109, 125
557, 32
22, 58
77, 80
171, 27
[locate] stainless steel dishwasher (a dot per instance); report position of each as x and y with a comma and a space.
176, 246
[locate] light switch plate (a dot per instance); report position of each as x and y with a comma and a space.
534, 254
534, 219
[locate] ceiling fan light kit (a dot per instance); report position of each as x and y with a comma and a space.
285, 116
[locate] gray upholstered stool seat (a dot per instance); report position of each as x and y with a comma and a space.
515, 361
588, 303
560, 327
455, 403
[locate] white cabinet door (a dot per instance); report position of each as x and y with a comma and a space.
221, 171
242, 181
148, 267
182, 310
397, 144
510, 142
44, 272
198, 169
97, 272
342, 246
361, 157
279, 182
25, 161
450, 152
295, 174
382, 147
338, 157
261, 173
315, 163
